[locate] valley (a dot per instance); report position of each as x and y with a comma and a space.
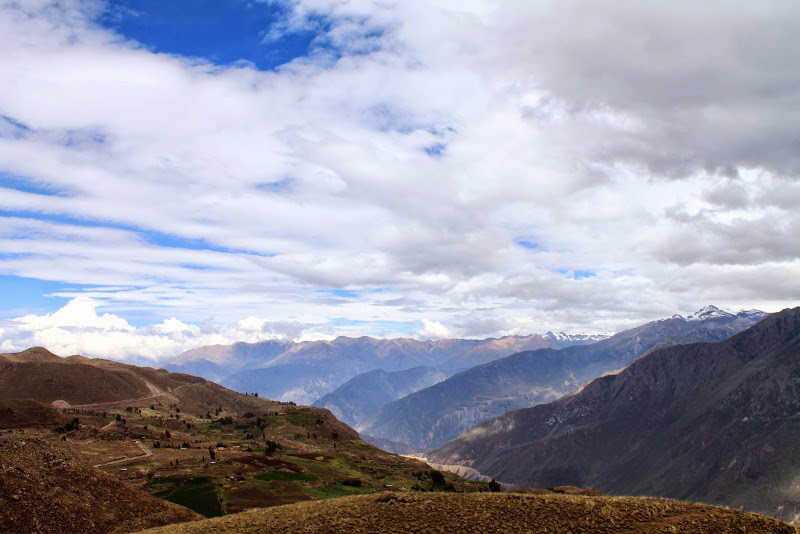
197, 445
428, 418
306, 371
709, 422
401, 267
176, 447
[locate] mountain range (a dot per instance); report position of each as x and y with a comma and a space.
430, 417
306, 371
710, 422
715, 422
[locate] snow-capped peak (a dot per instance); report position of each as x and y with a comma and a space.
561, 336
750, 313
708, 312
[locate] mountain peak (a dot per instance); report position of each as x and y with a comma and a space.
707, 312
751, 313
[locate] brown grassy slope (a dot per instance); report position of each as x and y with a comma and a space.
486, 512
44, 489
38, 374
75, 384
32, 355
20, 413
43, 376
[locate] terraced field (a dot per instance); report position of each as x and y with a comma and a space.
217, 461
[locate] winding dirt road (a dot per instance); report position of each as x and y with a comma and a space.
147, 452
128, 401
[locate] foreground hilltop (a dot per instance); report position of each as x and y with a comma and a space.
489, 513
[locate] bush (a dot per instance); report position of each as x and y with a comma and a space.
72, 425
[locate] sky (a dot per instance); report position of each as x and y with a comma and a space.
175, 174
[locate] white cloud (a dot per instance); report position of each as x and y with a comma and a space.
433, 330
77, 328
79, 312
643, 151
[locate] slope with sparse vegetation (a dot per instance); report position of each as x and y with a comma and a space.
546, 512
195, 444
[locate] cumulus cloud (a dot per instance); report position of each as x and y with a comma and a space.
77, 328
433, 330
549, 165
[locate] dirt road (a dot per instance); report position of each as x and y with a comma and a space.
147, 452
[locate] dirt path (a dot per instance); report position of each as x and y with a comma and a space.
147, 452
129, 401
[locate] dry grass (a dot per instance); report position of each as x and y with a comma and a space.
489, 513
18, 413
44, 489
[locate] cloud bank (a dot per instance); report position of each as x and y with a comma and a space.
77, 328
426, 168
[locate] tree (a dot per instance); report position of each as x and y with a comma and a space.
72, 425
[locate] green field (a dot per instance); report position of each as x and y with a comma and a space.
198, 494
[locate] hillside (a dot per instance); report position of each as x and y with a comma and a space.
306, 371
38, 374
545, 512
368, 392
710, 422
21, 413
45, 489
430, 417
81, 382
195, 444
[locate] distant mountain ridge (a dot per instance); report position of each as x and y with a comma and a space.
712, 422
306, 371
368, 392
428, 418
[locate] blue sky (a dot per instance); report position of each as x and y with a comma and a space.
22, 296
223, 32
182, 173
